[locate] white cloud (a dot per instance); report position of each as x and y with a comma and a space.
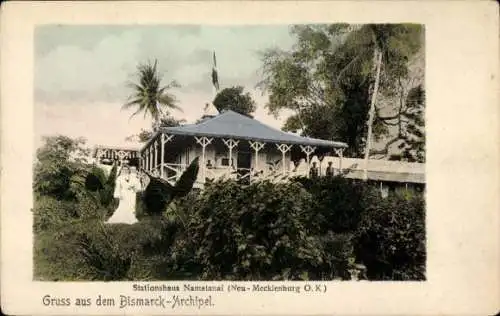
107, 124
99, 123
80, 88
76, 69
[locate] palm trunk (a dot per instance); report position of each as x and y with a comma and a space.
155, 125
371, 116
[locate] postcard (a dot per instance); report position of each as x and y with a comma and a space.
250, 157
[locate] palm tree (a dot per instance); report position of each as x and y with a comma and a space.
149, 96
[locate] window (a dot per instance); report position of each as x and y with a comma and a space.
225, 162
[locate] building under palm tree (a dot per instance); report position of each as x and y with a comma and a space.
232, 145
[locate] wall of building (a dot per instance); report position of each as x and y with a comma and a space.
216, 155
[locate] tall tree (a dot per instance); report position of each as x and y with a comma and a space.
149, 96
319, 82
328, 78
235, 99
391, 46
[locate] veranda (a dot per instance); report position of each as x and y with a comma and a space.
231, 145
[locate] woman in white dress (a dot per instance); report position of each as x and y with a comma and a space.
127, 186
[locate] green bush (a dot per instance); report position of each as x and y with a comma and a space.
391, 238
253, 232
91, 250
54, 168
96, 179
99, 184
89, 207
103, 255
106, 194
338, 256
337, 203
140, 207
56, 256
50, 213
309, 229
156, 197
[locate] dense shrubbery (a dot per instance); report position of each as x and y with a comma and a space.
55, 169
391, 238
257, 232
337, 202
304, 229
260, 232
388, 234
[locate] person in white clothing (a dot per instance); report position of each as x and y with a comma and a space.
126, 188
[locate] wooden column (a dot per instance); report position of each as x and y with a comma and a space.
155, 148
164, 140
284, 148
162, 154
204, 142
257, 146
230, 143
150, 155
340, 153
308, 150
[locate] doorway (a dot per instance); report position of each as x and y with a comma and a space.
244, 164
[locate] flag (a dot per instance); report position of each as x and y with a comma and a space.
215, 76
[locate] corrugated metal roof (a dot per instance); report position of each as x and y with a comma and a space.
230, 124
381, 170
388, 176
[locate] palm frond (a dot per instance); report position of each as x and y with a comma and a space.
132, 103
173, 84
141, 108
185, 183
148, 92
168, 101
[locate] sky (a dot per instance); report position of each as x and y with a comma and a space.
81, 73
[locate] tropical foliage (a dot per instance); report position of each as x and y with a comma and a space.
410, 126
149, 96
327, 79
236, 100
391, 238
302, 230
58, 162
343, 82
159, 193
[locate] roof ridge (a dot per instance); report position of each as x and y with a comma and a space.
211, 119
244, 126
